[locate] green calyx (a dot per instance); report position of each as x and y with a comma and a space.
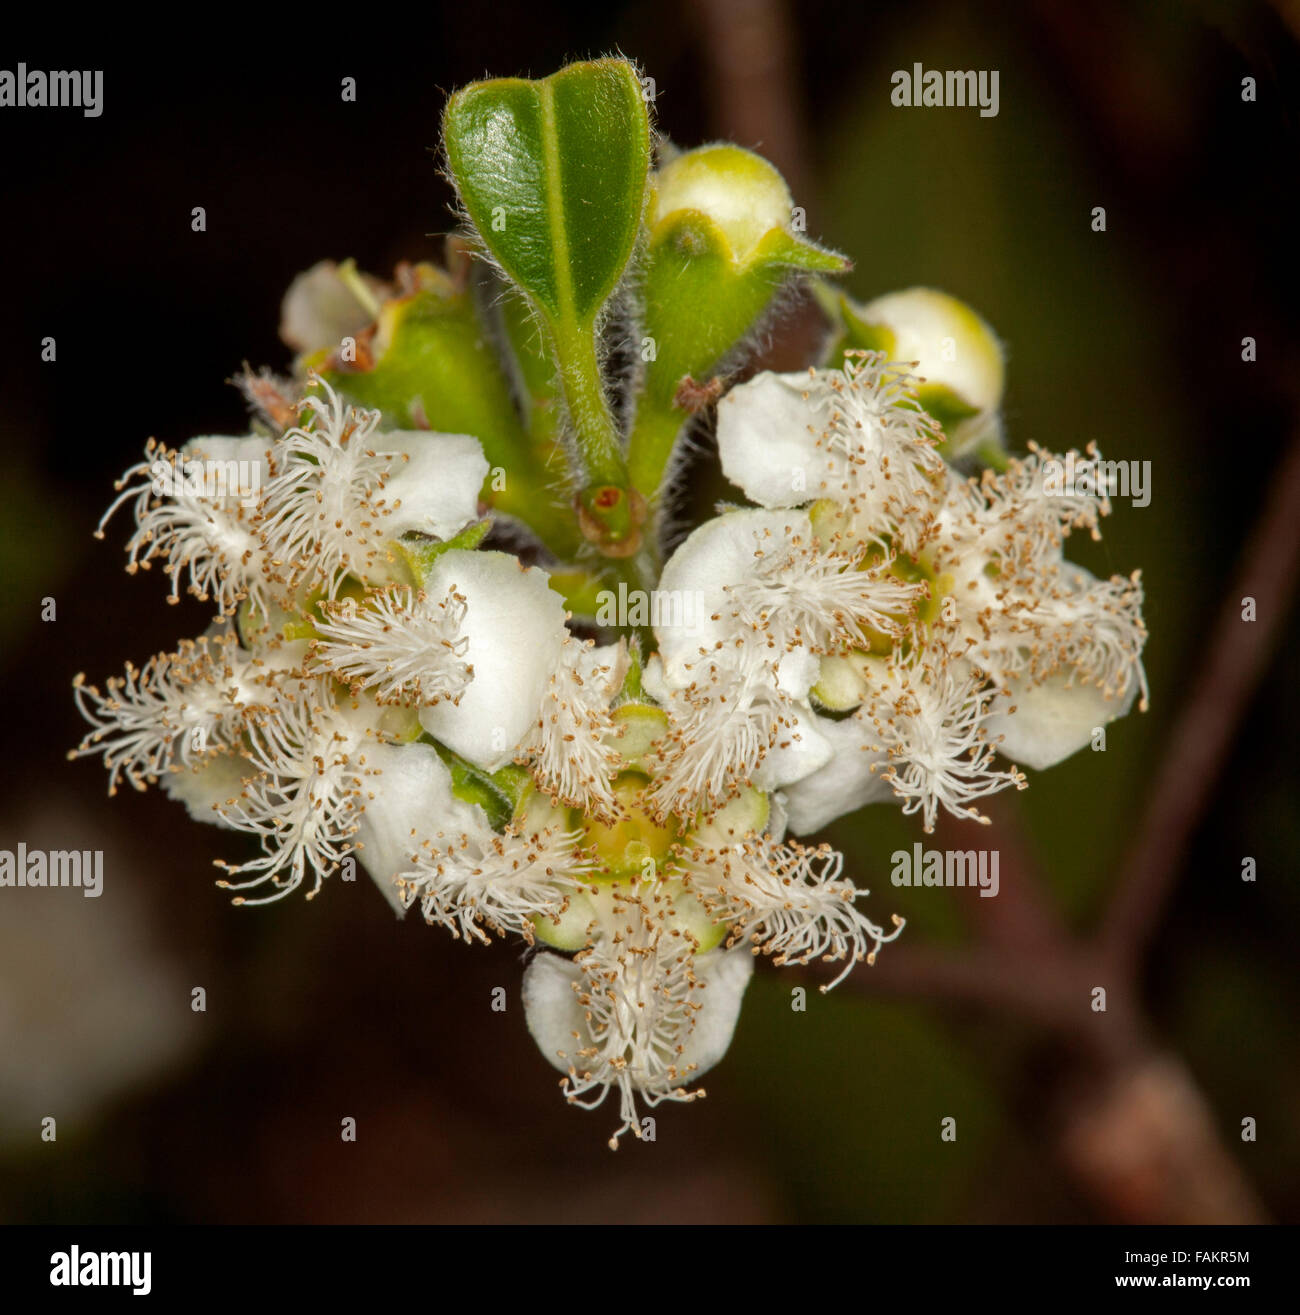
725, 237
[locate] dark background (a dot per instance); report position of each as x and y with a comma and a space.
331, 1009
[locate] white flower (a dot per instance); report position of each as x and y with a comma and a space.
514, 633
948, 347
1023, 610
208, 787
171, 715
853, 435
479, 882
409, 802
343, 492
483, 654
998, 641
788, 901
326, 499
737, 679
307, 792
643, 1018
927, 714
733, 725
1039, 725
572, 748
848, 780
325, 304
651, 997
204, 533
399, 643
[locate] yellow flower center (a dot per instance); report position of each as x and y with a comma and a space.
629, 846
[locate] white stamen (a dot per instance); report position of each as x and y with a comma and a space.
398, 643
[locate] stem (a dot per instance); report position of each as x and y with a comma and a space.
584, 395
650, 448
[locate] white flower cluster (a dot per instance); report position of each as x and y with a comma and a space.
375, 682
882, 623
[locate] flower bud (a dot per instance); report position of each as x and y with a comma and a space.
739, 192
955, 352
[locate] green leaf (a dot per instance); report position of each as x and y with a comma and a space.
496, 793
552, 174
534, 365
419, 553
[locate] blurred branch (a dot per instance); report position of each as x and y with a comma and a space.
752, 73
1202, 736
1289, 12
749, 48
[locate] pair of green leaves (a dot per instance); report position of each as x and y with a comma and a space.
552, 174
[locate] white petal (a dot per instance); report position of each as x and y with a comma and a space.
769, 431
438, 486
552, 1010
413, 802
797, 672
1054, 720
603, 666
557, 1020
842, 786
215, 781
719, 553
319, 310
514, 625
800, 751
778, 818
726, 974
653, 680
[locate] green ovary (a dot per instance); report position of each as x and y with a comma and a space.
632, 844
841, 683
630, 852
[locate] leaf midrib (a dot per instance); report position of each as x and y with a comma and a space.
555, 203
